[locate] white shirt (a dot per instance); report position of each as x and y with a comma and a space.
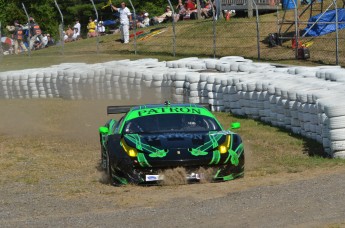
100, 28
124, 13
76, 28
146, 21
45, 40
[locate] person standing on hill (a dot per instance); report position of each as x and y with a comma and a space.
18, 37
125, 19
35, 32
76, 30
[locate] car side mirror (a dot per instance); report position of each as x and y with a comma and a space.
235, 125
103, 130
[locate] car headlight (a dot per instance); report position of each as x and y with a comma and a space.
132, 152
224, 147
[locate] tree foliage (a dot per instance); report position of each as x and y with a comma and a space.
47, 15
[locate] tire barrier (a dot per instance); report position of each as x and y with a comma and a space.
305, 100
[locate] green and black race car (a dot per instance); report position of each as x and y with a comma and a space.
149, 139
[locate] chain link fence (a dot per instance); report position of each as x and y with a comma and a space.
218, 37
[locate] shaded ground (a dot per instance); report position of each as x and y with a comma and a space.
49, 157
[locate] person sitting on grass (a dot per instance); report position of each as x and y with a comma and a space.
145, 22
207, 12
91, 26
181, 11
68, 34
100, 28
165, 17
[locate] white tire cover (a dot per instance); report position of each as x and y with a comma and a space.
211, 87
179, 76
193, 77
336, 122
198, 66
148, 84
335, 109
194, 86
179, 91
194, 100
234, 66
232, 58
157, 77
337, 134
337, 146
170, 64
211, 63
178, 84
147, 76
194, 93
215, 102
156, 83
339, 154
245, 67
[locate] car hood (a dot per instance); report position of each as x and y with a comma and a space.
171, 141
178, 149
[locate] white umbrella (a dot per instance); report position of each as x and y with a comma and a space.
6, 40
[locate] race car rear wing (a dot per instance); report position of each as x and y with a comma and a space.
125, 108
206, 105
119, 109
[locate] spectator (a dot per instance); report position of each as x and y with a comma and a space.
91, 26
180, 6
125, 19
190, 5
36, 33
166, 16
45, 40
181, 11
68, 34
18, 37
37, 44
76, 30
145, 21
100, 28
139, 17
192, 11
207, 12
51, 40
10, 44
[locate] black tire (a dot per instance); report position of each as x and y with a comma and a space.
111, 173
103, 159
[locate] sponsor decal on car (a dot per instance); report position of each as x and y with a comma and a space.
153, 178
151, 138
194, 176
168, 110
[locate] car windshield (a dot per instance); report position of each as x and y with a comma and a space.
171, 123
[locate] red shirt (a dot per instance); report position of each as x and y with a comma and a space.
190, 5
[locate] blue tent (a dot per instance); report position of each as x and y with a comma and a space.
320, 29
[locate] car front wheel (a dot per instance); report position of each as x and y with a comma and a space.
113, 176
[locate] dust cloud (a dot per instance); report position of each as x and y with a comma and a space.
176, 176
